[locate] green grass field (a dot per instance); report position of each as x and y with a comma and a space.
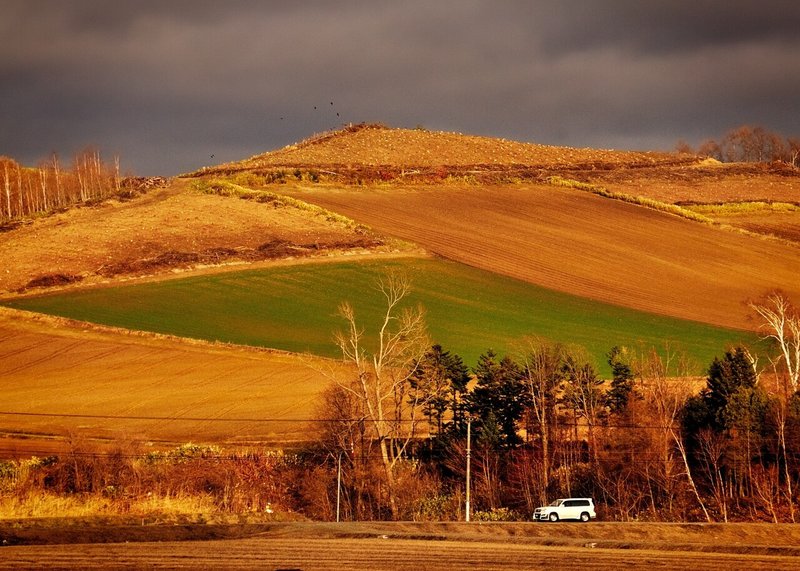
295, 308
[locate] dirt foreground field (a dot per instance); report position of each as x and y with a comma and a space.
308, 545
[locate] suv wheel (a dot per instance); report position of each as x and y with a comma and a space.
585, 517
553, 516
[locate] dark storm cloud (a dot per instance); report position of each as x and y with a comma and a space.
666, 26
167, 84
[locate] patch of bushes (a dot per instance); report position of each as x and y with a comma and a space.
126, 480
497, 514
52, 280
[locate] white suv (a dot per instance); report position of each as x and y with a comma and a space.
570, 508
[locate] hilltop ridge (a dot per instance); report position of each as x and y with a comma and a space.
374, 145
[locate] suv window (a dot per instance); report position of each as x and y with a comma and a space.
575, 503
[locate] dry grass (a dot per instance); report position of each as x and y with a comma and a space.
689, 214
227, 188
377, 145
723, 184
49, 505
175, 223
744, 208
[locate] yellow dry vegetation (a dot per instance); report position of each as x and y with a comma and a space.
175, 222
376, 145
112, 385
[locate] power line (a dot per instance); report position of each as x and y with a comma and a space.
421, 421
179, 418
626, 426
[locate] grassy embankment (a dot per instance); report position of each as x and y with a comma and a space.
294, 308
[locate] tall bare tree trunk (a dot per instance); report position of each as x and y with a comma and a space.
787, 473
20, 192
57, 172
81, 178
32, 202
43, 184
8, 189
117, 179
401, 343
545, 433
97, 174
682, 450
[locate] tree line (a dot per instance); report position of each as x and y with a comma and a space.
749, 144
652, 443
29, 191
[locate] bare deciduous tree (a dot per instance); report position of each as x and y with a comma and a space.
666, 388
542, 377
379, 378
781, 323
7, 186
749, 144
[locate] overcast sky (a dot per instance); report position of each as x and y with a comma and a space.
166, 84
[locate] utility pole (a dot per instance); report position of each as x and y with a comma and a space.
338, 487
469, 454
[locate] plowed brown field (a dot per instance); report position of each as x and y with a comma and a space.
583, 244
720, 183
142, 387
414, 546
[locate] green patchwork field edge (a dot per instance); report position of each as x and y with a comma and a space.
293, 308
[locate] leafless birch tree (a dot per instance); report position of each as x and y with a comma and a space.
379, 377
781, 323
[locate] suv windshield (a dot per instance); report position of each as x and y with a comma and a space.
556, 503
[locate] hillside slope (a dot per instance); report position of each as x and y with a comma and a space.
583, 244
165, 230
124, 383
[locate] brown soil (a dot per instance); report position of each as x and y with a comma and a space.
105, 384
785, 226
698, 184
583, 244
168, 228
409, 148
377, 545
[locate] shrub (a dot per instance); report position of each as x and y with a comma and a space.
496, 514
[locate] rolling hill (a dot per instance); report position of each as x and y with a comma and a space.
377, 145
583, 244
564, 239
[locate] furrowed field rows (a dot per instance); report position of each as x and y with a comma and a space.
114, 385
295, 308
583, 244
379, 552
